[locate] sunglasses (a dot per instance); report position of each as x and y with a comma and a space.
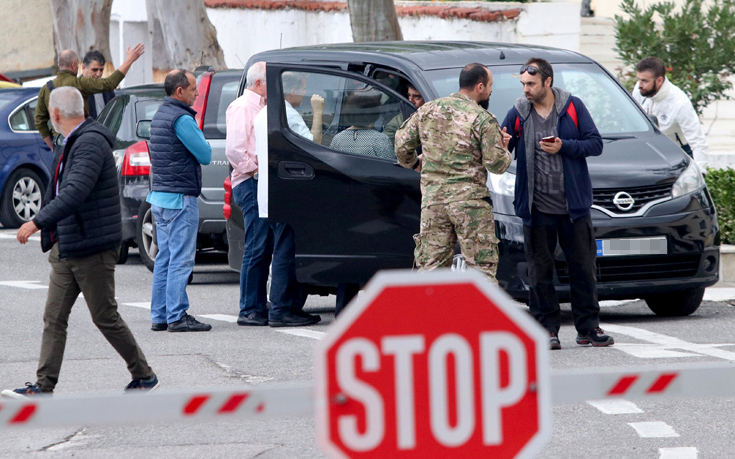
532, 70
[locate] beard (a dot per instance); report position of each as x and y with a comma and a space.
56, 127
651, 92
484, 103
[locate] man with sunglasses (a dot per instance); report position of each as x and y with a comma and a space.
552, 134
461, 142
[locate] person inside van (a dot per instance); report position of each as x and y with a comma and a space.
361, 110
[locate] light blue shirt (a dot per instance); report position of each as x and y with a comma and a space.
193, 139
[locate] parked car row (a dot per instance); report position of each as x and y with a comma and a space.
654, 219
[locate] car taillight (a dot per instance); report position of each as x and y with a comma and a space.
227, 208
200, 104
137, 160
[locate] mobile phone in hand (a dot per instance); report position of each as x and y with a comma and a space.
549, 139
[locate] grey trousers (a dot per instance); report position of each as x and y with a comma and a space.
93, 276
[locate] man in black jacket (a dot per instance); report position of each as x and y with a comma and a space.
93, 66
80, 224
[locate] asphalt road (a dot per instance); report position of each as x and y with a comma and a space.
229, 355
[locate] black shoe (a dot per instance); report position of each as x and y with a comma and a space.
188, 324
159, 327
31, 390
302, 313
554, 343
291, 319
596, 338
253, 319
143, 385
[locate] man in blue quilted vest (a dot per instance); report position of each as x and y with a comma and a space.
178, 149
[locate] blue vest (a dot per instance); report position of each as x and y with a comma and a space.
175, 168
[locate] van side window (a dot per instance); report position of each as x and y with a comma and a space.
355, 113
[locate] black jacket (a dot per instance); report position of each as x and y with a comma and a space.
84, 218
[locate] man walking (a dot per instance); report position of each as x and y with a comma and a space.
671, 106
93, 65
67, 76
178, 149
80, 224
461, 142
552, 134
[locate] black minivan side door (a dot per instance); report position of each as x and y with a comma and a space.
353, 209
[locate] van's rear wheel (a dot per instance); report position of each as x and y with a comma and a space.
676, 303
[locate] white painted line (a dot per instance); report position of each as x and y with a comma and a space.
144, 305
668, 342
613, 303
615, 406
655, 429
221, 317
687, 452
719, 294
30, 285
306, 333
14, 237
652, 351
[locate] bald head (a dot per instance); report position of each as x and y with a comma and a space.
68, 60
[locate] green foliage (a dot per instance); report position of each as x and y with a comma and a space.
696, 45
721, 185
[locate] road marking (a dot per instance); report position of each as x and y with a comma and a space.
30, 285
14, 237
664, 343
655, 429
144, 305
304, 332
687, 452
613, 406
222, 317
719, 294
613, 303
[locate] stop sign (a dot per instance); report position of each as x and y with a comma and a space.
437, 364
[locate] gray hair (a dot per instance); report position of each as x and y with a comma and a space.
68, 100
292, 81
256, 72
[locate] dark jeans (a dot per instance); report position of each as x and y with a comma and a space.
265, 242
93, 276
577, 241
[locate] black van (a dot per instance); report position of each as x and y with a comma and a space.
655, 222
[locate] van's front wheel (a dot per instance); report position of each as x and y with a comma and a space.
676, 303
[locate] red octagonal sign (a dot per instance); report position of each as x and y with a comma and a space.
437, 364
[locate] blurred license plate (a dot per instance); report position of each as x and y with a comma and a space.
632, 246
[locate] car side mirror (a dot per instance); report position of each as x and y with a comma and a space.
143, 129
653, 118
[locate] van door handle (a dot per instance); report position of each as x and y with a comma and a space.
292, 170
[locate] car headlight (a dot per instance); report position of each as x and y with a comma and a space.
689, 181
504, 184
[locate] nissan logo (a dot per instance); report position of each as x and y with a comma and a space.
623, 201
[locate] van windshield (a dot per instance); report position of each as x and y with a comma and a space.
611, 109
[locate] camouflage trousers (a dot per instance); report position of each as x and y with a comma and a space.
471, 223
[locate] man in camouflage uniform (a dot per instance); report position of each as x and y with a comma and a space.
461, 141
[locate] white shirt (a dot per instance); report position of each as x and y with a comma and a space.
260, 128
676, 117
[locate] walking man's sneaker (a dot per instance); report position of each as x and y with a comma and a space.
554, 343
143, 385
31, 390
596, 338
253, 319
291, 319
159, 327
188, 324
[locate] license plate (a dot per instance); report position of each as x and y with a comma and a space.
632, 246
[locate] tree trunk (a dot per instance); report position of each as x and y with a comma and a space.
82, 25
182, 36
374, 20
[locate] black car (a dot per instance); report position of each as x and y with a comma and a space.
128, 116
655, 223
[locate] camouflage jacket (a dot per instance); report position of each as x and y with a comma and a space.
461, 141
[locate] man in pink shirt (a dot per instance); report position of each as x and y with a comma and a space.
240, 150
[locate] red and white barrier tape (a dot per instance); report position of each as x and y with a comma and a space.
707, 380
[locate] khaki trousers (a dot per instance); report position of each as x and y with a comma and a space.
93, 276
